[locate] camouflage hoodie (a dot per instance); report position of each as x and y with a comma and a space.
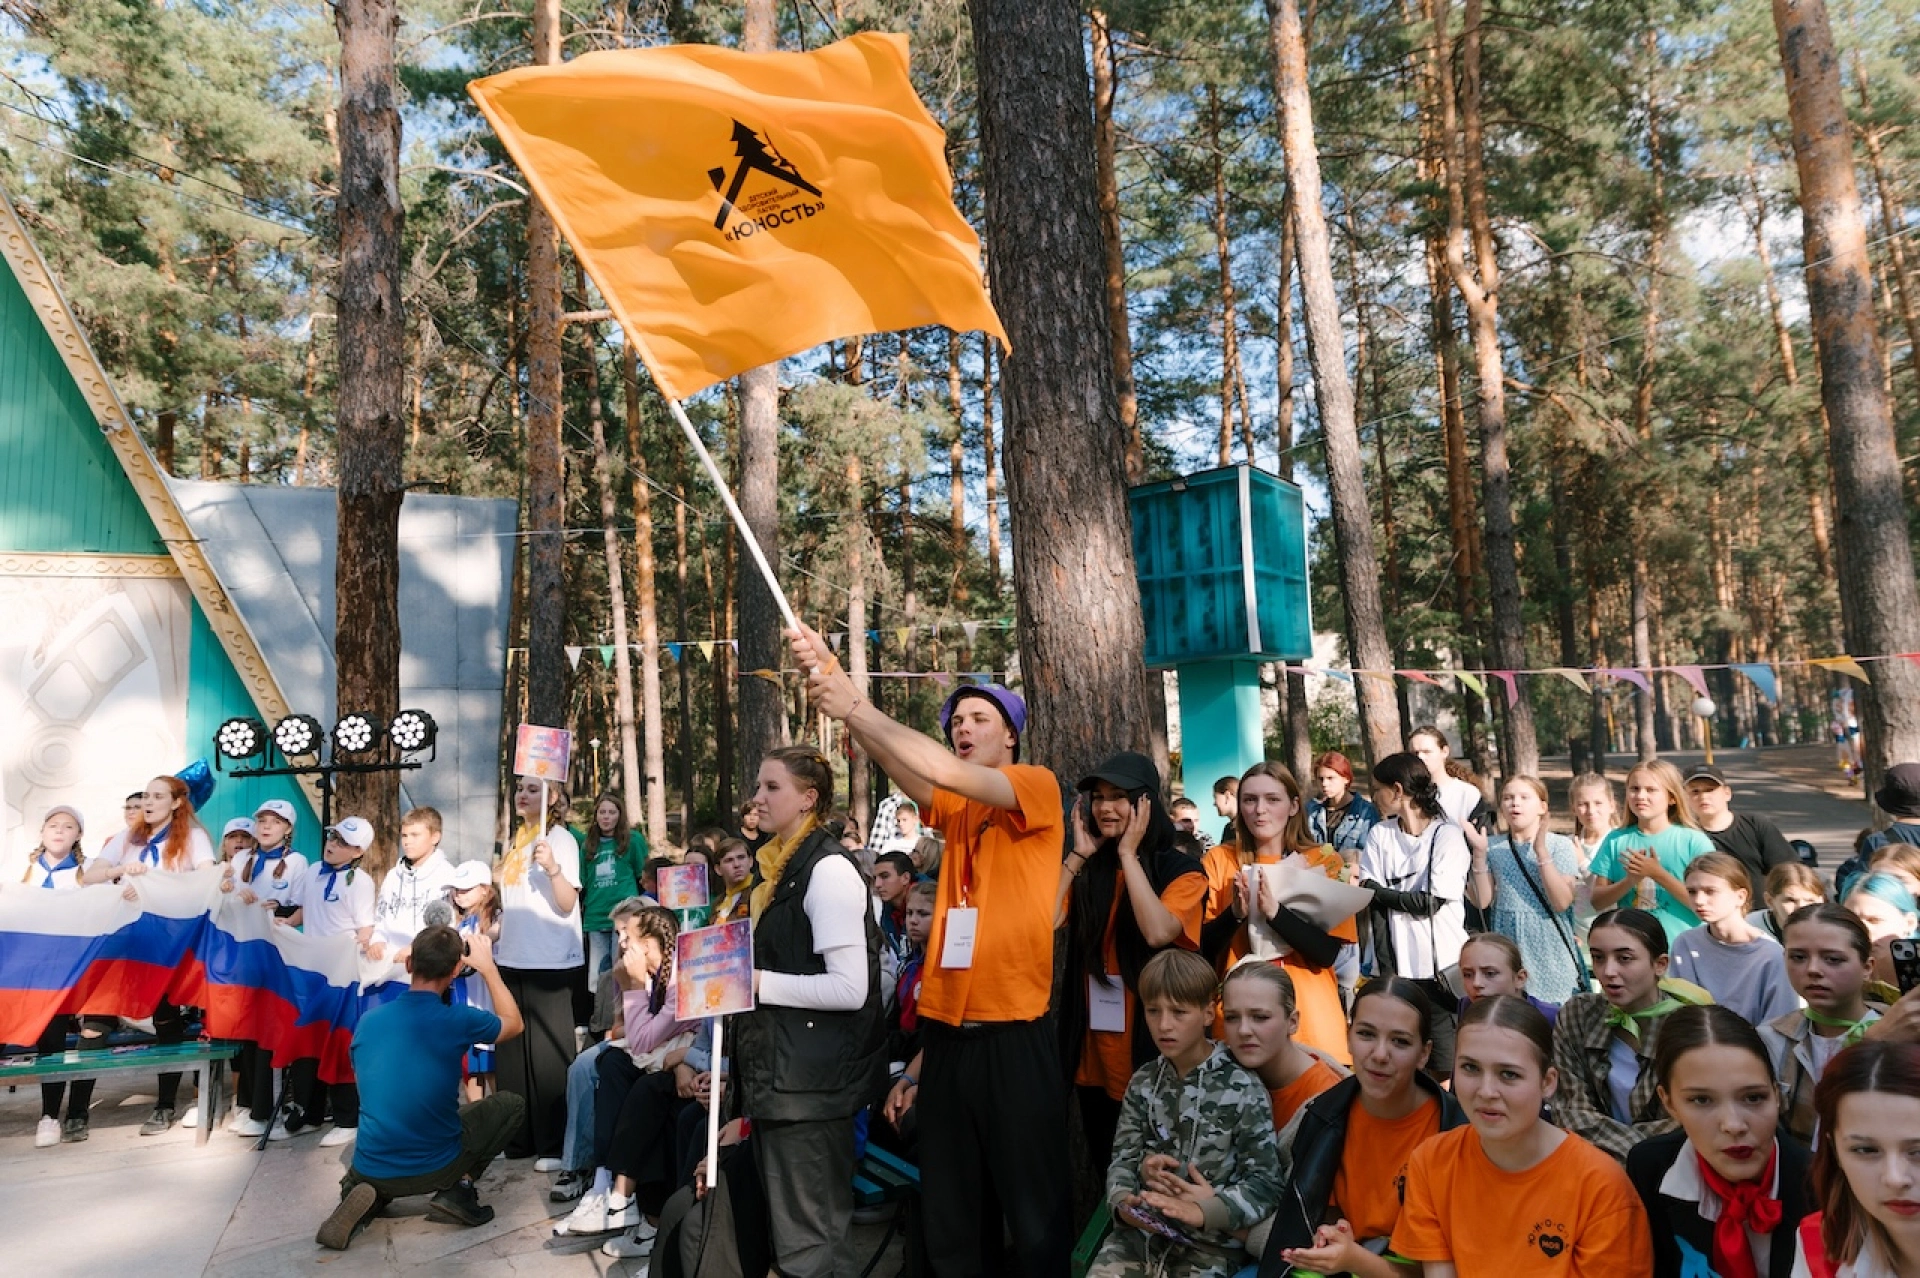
1218, 1118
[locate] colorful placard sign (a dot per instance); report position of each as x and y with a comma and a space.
542, 752
683, 887
713, 970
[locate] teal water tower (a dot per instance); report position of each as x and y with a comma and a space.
1222, 561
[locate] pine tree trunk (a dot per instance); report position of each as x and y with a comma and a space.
859, 779
371, 435
647, 609
1106, 70
763, 718
1333, 393
1646, 709
992, 466
1892, 220
1296, 707
546, 455
684, 662
1877, 596
957, 473
623, 707
1081, 633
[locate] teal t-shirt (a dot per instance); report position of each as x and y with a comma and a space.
1676, 847
609, 875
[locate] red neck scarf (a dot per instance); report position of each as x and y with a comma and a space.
1744, 1207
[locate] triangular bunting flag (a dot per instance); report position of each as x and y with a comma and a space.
1696, 679
873, 636
673, 650
706, 649
1344, 676
606, 655
942, 678
1419, 676
833, 641
1380, 675
1473, 681
1764, 681
1633, 677
573, 656
1573, 677
733, 646
902, 634
1512, 681
970, 629
1845, 665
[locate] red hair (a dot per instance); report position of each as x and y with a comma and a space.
1334, 761
1872, 1066
177, 852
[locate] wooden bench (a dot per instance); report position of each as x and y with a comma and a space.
880, 1179
208, 1056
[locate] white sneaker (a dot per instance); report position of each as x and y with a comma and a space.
632, 1245
339, 1136
625, 1216
548, 1165
588, 1217
249, 1127
280, 1130
190, 1119
47, 1133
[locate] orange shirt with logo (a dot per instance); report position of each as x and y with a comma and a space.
1006, 863
1106, 1058
1373, 1166
1573, 1213
1288, 1100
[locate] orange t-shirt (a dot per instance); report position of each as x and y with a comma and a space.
1222, 864
1106, 1059
1006, 861
1288, 1100
1573, 1213
1373, 1166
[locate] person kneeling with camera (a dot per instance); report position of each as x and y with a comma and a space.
415, 1136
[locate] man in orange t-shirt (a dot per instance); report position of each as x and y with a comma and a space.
987, 1084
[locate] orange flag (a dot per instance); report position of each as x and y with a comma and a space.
735, 208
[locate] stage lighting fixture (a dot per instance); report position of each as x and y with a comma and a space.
412, 730
297, 734
240, 738
355, 733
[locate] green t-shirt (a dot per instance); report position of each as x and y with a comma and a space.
1676, 847
609, 876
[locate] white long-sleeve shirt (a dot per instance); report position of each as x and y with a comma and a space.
836, 906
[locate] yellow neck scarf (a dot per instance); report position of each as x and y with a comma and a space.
519, 856
773, 858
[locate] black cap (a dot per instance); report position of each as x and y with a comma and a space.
1128, 771
1705, 772
1899, 792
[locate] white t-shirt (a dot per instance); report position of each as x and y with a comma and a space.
533, 934
278, 877
1436, 862
122, 850
328, 909
836, 906
1459, 798
406, 892
57, 876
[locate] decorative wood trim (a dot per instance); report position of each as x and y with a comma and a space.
63, 565
142, 470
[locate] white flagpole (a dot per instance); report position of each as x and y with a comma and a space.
713, 1069
739, 520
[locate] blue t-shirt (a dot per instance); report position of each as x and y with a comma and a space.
407, 1056
1675, 847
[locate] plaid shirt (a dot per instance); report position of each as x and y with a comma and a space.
1582, 1040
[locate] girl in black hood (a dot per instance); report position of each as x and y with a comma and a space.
1132, 893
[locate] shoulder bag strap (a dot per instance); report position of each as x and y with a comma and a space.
1560, 927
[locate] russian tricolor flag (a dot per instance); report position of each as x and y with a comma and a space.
184, 940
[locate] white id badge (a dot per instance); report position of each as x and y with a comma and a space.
957, 949
1106, 1005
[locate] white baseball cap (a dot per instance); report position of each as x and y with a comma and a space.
239, 825
471, 874
355, 832
280, 808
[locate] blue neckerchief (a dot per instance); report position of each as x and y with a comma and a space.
331, 873
260, 857
151, 852
69, 862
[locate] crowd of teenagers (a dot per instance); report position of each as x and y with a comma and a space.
1413, 1031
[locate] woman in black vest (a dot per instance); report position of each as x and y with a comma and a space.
809, 1056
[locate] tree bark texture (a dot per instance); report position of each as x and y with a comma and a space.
546, 457
1878, 601
371, 440
763, 718
1078, 603
1298, 709
1106, 72
646, 607
1333, 390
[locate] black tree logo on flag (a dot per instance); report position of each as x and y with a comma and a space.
755, 152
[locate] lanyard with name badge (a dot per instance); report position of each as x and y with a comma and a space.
963, 920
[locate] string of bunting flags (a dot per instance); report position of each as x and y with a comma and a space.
901, 636
1763, 675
